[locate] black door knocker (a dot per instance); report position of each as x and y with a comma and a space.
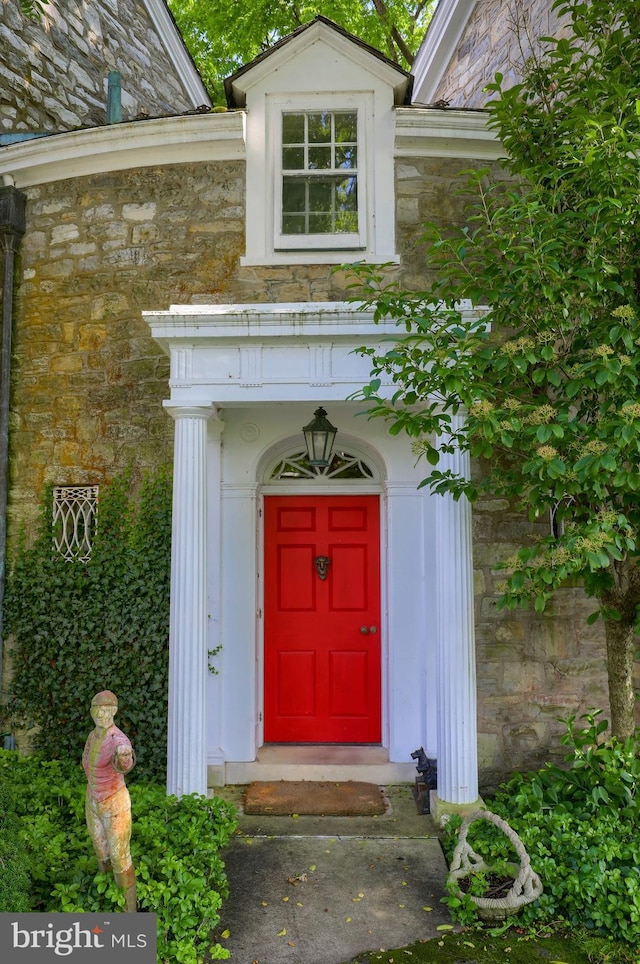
322, 566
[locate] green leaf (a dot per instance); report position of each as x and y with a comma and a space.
433, 456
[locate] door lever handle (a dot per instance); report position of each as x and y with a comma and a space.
368, 629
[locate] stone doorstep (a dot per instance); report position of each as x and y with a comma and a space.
339, 763
400, 819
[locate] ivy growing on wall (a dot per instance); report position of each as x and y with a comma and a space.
80, 627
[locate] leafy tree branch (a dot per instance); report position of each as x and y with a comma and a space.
547, 376
224, 36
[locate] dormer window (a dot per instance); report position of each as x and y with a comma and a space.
320, 134
320, 180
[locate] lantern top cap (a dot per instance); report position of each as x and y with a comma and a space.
320, 421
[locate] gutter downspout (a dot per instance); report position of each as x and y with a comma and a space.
12, 228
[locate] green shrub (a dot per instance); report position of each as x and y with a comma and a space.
80, 627
581, 828
174, 847
14, 865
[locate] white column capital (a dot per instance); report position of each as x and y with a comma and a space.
205, 410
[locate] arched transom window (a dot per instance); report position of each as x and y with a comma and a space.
343, 466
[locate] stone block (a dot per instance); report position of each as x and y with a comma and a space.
408, 210
56, 269
82, 248
67, 363
144, 233
88, 265
525, 740
91, 337
139, 212
488, 750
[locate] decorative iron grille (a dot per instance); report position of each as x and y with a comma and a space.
75, 510
344, 465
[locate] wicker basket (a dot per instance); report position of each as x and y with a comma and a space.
526, 886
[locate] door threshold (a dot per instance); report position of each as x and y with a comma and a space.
354, 754
304, 761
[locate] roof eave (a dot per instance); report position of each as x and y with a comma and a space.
438, 47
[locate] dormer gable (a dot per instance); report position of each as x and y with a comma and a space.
320, 133
310, 52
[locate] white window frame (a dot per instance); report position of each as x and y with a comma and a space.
376, 183
75, 512
352, 241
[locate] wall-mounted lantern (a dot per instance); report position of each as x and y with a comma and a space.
319, 436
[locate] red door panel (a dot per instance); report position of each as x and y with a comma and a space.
322, 671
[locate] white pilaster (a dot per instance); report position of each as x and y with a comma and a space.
405, 657
187, 749
456, 666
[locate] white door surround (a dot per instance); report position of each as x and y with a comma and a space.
244, 379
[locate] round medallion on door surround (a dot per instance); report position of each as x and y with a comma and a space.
249, 432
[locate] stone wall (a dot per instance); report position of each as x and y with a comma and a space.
498, 38
53, 70
532, 670
88, 380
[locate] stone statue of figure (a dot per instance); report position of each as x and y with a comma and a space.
107, 756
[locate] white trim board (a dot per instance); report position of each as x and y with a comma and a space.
429, 132
120, 147
438, 47
177, 52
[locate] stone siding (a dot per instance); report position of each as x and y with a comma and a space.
499, 37
54, 69
533, 670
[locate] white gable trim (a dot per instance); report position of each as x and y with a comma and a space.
121, 147
438, 47
385, 72
177, 52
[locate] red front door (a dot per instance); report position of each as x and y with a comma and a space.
322, 636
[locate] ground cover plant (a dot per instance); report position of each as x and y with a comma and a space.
580, 827
175, 848
14, 867
469, 947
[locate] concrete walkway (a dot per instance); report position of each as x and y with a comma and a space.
320, 890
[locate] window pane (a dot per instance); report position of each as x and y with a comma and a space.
346, 222
347, 194
293, 158
319, 158
320, 224
293, 195
293, 128
320, 194
346, 127
293, 224
319, 127
346, 157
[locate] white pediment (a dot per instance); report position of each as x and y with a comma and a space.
319, 56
